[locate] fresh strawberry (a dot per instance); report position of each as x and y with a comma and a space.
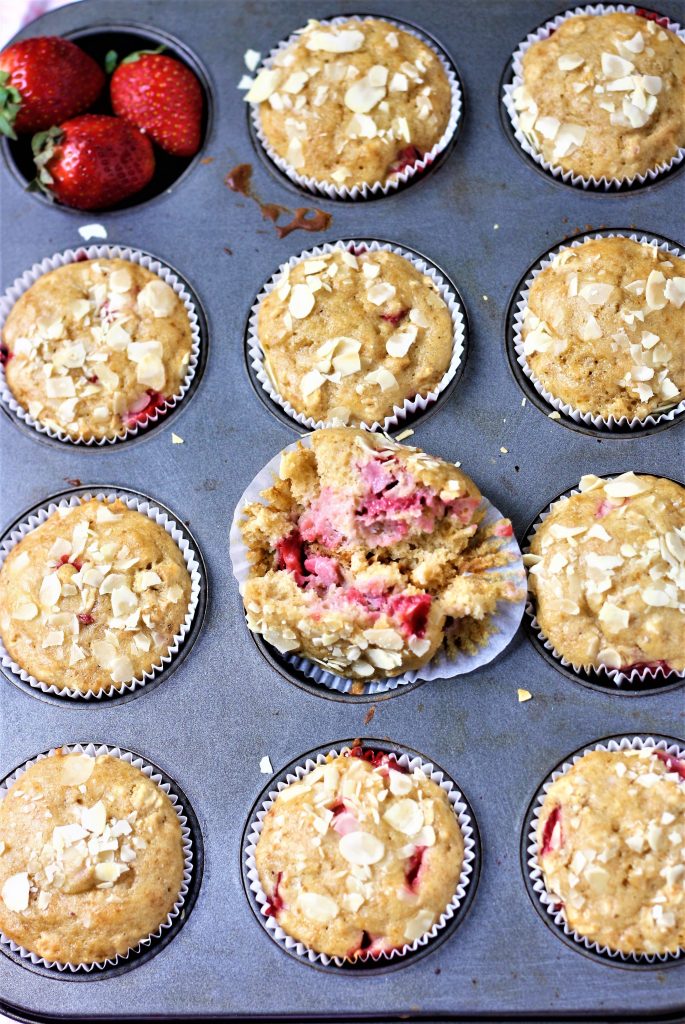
93, 161
163, 98
44, 81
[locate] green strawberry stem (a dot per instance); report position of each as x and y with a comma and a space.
10, 102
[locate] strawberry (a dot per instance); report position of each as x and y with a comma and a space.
163, 98
93, 161
44, 81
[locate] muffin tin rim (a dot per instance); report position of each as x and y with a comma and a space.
189, 639
507, 77
132, 959
438, 162
607, 959
413, 419
585, 678
159, 35
368, 967
524, 383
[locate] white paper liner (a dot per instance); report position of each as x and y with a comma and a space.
535, 871
61, 259
96, 750
616, 675
505, 621
146, 507
569, 177
465, 824
409, 406
331, 190
588, 418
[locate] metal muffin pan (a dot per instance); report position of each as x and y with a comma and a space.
210, 722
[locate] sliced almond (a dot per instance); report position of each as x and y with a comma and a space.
15, 892
361, 848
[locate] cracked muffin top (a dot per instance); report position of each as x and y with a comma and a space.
353, 104
608, 574
603, 96
93, 597
604, 330
368, 556
360, 856
91, 858
349, 336
611, 845
96, 346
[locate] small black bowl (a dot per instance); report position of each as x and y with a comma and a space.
97, 40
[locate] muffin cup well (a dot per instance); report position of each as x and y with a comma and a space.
505, 621
568, 177
648, 677
520, 306
182, 539
378, 188
543, 901
176, 916
411, 407
91, 252
457, 906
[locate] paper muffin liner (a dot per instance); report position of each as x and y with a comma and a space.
329, 189
145, 506
96, 750
504, 622
618, 676
92, 252
410, 406
588, 418
547, 900
292, 945
570, 177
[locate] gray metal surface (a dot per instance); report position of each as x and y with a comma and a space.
212, 720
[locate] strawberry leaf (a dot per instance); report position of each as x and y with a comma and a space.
111, 61
10, 102
139, 53
43, 146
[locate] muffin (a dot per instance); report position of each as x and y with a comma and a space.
95, 347
604, 330
93, 597
359, 857
603, 96
354, 103
610, 845
91, 858
368, 557
607, 574
348, 337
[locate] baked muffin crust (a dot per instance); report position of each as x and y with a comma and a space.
611, 838
353, 104
604, 95
349, 337
368, 556
91, 861
608, 574
93, 597
604, 330
359, 856
95, 346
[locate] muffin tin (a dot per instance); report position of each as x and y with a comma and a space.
484, 215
